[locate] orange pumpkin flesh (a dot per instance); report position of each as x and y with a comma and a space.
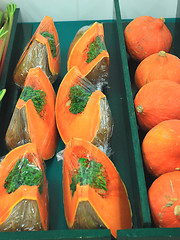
112, 208
164, 200
146, 35
88, 124
8, 202
161, 148
27, 125
157, 101
158, 66
95, 71
38, 54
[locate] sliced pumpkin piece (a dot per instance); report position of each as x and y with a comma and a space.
42, 51
94, 194
82, 111
88, 52
33, 119
24, 190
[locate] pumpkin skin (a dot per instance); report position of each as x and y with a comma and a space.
157, 101
38, 54
164, 200
26, 125
159, 66
97, 70
94, 124
161, 148
17, 207
146, 35
88, 208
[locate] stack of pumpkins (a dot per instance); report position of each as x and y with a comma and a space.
157, 107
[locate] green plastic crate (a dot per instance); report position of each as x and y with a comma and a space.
124, 143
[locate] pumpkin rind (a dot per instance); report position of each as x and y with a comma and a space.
157, 101
113, 209
12, 205
158, 66
164, 200
146, 35
27, 126
161, 148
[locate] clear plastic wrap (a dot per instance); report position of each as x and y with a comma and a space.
91, 46
33, 119
82, 111
43, 51
93, 192
24, 191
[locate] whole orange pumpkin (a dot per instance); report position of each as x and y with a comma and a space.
161, 148
160, 66
157, 101
146, 35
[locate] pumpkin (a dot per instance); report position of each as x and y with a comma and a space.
159, 66
88, 52
97, 197
164, 200
42, 51
33, 119
161, 148
146, 35
157, 101
82, 111
24, 190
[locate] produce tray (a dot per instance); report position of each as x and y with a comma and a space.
150, 233
126, 154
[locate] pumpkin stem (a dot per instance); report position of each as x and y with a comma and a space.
162, 19
162, 54
139, 109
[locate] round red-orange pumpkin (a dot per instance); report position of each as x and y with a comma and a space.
164, 200
160, 66
146, 35
161, 148
157, 101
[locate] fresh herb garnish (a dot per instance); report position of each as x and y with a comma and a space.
23, 173
51, 41
95, 48
79, 98
37, 97
89, 172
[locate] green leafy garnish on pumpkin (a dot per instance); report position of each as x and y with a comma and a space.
79, 98
51, 41
95, 48
23, 173
89, 172
37, 96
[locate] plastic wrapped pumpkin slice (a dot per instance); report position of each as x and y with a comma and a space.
33, 119
93, 192
82, 111
24, 191
42, 51
88, 52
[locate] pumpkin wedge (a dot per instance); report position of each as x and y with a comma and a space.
88, 52
157, 101
24, 191
33, 119
42, 51
82, 111
93, 192
164, 200
161, 147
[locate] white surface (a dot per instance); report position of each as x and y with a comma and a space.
73, 10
